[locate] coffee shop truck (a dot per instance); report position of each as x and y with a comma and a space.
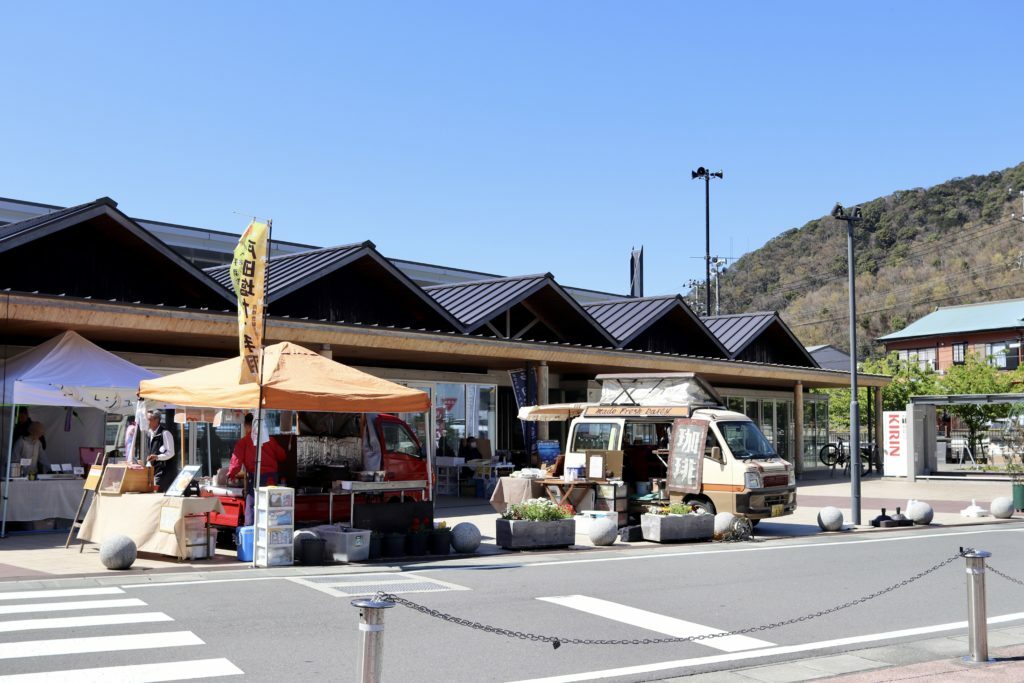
739, 470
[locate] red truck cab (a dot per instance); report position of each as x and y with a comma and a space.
403, 458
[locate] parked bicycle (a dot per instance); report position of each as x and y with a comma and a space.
838, 455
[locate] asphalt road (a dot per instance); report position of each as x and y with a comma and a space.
303, 628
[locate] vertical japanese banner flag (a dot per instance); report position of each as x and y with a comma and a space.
248, 274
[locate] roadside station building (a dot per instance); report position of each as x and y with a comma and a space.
159, 295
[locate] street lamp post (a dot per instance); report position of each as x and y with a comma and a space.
840, 214
706, 175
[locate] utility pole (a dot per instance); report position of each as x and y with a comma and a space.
706, 175
853, 217
695, 286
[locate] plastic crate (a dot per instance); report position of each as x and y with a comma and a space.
345, 544
275, 497
275, 517
278, 556
274, 536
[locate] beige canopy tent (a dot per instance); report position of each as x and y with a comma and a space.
294, 378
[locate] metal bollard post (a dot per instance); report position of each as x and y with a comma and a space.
977, 617
371, 623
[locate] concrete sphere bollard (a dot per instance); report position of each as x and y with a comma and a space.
723, 523
1002, 508
830, 519
920, 512
603, 531
465, 537
118, 552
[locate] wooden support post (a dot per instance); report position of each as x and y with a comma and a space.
542, 397
798, 427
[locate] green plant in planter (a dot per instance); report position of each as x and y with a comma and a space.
675, 509
538, 510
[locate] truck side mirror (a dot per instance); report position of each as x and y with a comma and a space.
716, 453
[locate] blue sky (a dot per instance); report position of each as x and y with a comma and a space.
508, 137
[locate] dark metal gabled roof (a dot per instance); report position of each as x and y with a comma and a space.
474, 303
627, 319
738, 330
288, 272
29, 230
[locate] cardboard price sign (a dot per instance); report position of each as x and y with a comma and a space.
686, 455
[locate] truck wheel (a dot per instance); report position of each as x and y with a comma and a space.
702, 503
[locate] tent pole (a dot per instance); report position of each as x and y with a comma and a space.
7, 475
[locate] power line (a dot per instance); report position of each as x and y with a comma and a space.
904, 305
817, 280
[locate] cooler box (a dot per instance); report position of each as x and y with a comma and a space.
345, 544
244, 536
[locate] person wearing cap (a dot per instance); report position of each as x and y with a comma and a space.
160, 452
244, 455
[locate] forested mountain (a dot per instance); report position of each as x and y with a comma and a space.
916, 250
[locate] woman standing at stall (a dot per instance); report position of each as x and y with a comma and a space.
29, 447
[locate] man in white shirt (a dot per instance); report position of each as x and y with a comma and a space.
160, 453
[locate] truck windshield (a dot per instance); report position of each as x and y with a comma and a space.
745, 440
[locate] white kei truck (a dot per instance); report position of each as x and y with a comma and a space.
739, 470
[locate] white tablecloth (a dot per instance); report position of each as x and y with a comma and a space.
30, 501
138, 516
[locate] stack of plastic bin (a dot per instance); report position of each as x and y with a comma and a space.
275, 524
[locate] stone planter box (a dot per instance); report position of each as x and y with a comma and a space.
669, 528
518, 534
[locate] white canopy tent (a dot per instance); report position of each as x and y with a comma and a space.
67, 371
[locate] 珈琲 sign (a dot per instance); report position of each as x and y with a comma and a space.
686, 455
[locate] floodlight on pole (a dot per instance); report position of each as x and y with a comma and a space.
706, 176
840, 214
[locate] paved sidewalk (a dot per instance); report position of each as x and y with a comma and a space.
933, 659
42, 556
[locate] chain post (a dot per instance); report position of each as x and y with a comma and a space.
371, 623
977, 617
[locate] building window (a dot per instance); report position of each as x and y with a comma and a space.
926, 358
959, 353
1002, 355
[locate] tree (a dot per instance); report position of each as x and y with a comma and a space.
976, 376
908, 379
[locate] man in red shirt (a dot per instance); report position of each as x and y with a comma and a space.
244, 455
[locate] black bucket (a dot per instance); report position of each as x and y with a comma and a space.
312, 552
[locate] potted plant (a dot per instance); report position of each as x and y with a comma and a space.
536, 523
441, 540
418, 538
393, 545
375, 545
1014, 445
677, 522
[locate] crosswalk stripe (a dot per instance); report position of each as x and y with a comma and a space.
76, 622
60, 593
660, 623
134, 673
63, 606
72, 646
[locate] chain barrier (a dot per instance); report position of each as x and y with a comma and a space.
990, 568
557, 641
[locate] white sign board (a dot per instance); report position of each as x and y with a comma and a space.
895, 449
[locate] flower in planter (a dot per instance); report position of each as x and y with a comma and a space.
538, 510
420, 526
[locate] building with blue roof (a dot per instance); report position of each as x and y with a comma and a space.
946, 336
